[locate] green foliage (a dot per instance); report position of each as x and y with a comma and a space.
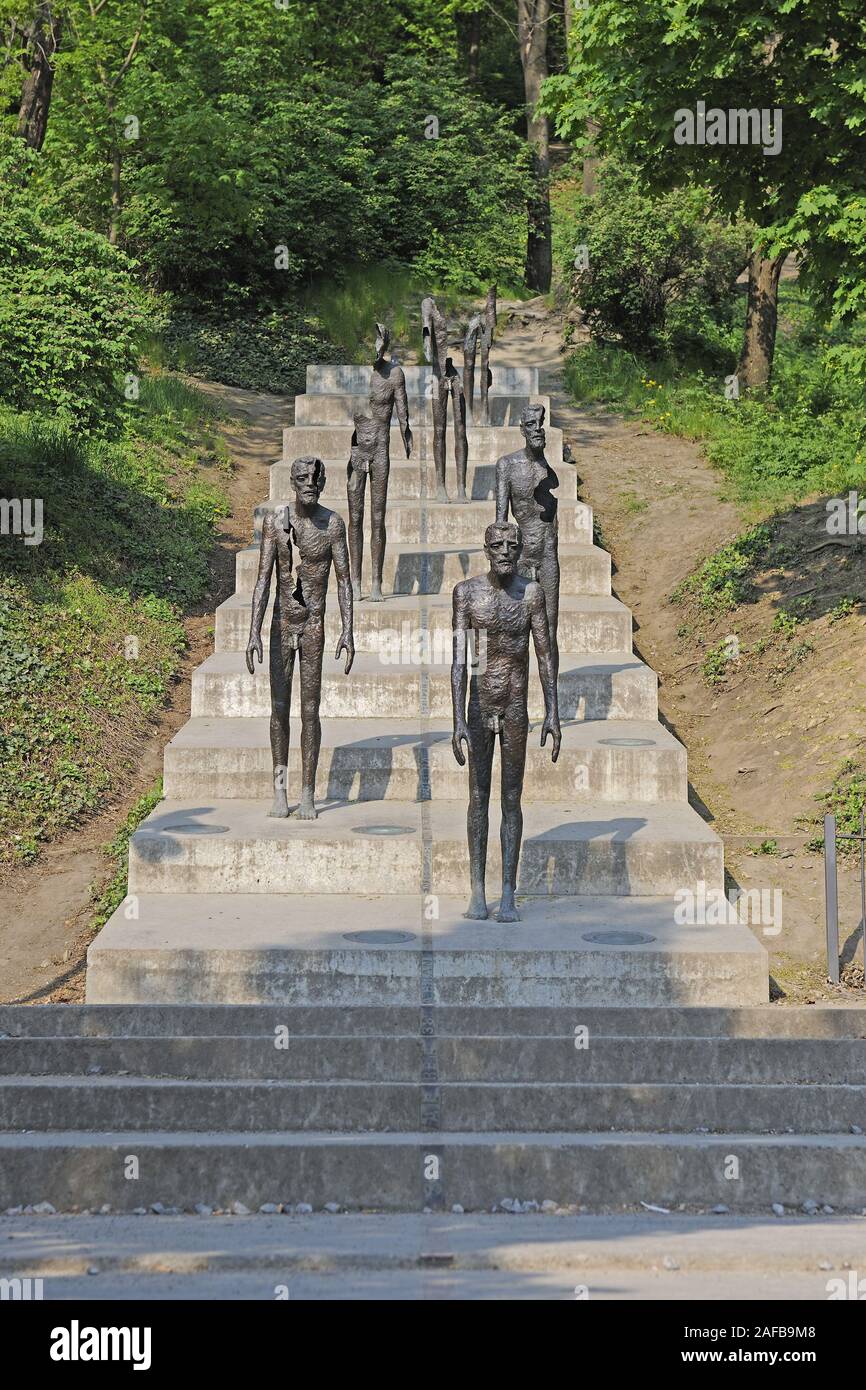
648, 255
806, 435
723, 580
70, 311
844, 799
714, 667
106, 899
258, 351
90, 619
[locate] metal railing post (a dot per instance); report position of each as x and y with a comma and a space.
831, 899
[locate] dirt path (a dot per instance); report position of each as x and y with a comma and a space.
45, 908
759, 750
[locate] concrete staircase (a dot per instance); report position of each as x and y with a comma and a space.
227, 905
297, 1012
370, 1109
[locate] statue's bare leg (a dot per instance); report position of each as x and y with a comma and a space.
548, 578
461, 445
281, 666
513, 752
312, 649
439, 407
379, 498
356, 483
481, 742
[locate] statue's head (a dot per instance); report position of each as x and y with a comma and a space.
532, 425
503, 543
383, 341
308, 479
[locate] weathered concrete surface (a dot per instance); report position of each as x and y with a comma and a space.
410, 478
355, 380
386, 1171
435, 569
600, 760
627, 849
405, 629
615, 685
257, 949
485, 445
445, 523
340, 408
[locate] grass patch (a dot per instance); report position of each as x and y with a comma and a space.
107, 899
806, 435
724, 579
845, 799
91, 624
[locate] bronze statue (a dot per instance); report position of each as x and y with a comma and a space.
481, 328
504, 607
298, 624
371, 453
446, 382
524, 484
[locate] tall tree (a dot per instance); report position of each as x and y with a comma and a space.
533, 17
37, 41
801, 182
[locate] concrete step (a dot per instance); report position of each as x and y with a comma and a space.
615, 686
443, 523
355, 380
306, 1056
434, 569
632, 849
111, 1103
600, 760
406, 628
386, 1171
171, 1025
417, 1257
412, 478
340, 408
485, 445
259, 948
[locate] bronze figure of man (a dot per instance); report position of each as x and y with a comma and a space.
524, 486
501, 608
480, 329
371, 454
446, 382
298, 624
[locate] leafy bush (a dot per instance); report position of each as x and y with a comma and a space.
70, 312
652, 259
258, 351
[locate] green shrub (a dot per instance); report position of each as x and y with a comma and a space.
70, 312
652, 261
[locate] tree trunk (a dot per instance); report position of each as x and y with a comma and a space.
469, 41
759, 341
42, 43
116, 164
532, 25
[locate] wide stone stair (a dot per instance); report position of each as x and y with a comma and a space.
286, 1105
294, 1011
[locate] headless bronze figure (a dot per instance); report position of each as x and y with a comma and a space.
371, 454
480, 329
505, 607
298, 624
446, 382
524, 486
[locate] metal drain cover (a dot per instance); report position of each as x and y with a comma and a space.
383, 830
379, 938
628, 742
189, 828
618, 938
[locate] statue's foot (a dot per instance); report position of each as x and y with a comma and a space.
306, 810
376, 594
507, 914
280, 808
477, 909
356, 590
461, 495
442, 495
